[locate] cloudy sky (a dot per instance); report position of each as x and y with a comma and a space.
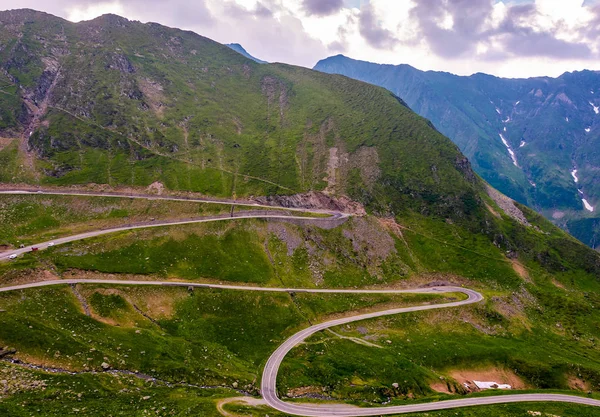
511, 38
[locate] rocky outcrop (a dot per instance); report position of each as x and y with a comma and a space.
315, 200
508, 206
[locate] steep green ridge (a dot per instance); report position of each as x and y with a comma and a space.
551, 124
124, 105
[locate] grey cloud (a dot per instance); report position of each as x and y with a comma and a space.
337, 47
341, 44
176, 13
322, 7
593, 30
281, 39
514, 34
262, 11
528, 43
518, 39
468, 16
234, 10
374, 34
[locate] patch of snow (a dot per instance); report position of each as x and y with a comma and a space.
587, 205
532, 183
580, 192
505, 128
574, 175
498, 110
523, 143
491, 385
517, 103
567, 119
510, 151
596, 108
507, 119
587, 130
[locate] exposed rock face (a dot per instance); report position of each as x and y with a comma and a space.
463, 164
277, 94
508, 206
121, 63
315, 200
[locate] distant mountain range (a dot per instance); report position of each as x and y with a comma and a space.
240, 49
536, 140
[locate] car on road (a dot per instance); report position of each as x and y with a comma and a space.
13, 256
50, 244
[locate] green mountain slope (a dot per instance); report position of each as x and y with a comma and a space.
122, 103
111, 104
550, 125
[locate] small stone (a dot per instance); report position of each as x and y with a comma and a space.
137, 331
395, 385
105, 366
235, 384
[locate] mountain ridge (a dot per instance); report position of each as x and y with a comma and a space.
527, 152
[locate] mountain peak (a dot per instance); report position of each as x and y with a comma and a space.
21, 15
240, 49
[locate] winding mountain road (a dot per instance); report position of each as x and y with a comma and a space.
269, 377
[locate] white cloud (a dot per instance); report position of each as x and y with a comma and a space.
78, 13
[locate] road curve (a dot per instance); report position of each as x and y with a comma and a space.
269, 377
